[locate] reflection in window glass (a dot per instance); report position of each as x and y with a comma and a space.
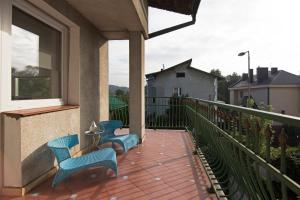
36, 58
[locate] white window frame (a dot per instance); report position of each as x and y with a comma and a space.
6, 20
177, 91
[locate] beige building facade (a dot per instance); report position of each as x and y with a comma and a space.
82, 29
278, 88
54, 76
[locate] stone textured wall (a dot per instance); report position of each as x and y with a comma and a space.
26, 153
36, 131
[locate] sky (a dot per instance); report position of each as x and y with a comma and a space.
269, 29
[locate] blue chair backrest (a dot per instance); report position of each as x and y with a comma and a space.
110, 126
60, 146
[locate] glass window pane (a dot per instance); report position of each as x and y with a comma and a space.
36, 58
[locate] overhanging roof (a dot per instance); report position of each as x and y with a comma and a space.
187, 7
114, 18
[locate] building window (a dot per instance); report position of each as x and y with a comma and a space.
36, 71
241, 94
177, 92
180, 74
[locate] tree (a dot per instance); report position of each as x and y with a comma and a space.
233, 78
224, 84
216, 72
34, 83
119, 92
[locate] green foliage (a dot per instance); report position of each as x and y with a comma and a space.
276, 152
257, 126
216, 72
232, 78
292, 153
35, 88
119, 92
224, 84
34, 82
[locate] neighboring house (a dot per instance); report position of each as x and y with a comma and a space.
278, 88
182, 80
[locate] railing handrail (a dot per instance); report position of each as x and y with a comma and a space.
287, 119
283, 118
276, 172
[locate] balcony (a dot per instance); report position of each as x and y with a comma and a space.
247, 153
214, 150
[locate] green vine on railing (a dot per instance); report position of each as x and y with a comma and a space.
237, 143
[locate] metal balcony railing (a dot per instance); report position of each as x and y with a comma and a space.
248, 153
160, 112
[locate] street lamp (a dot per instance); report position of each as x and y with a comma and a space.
242, 54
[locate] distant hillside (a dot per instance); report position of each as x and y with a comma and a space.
114, 88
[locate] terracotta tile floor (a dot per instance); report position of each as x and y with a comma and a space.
163, 167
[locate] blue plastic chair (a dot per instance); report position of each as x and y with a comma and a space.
127, 141
68, 165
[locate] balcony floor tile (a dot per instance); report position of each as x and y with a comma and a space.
163, 167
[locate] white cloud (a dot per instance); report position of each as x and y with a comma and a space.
269, 29
25, 48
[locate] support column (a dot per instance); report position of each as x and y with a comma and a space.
103, 82
136, 84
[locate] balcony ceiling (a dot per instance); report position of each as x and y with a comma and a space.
114, 18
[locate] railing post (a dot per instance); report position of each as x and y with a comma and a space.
283, 145
240, 128
195, 117
268, 133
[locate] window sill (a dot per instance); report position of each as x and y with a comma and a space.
37, 111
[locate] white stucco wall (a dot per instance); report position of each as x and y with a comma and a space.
259, 94
232, 97
194, 84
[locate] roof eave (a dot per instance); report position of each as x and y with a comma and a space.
190, 9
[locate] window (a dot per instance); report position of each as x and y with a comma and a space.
36, 71
177, 92
180, 74
241, 94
